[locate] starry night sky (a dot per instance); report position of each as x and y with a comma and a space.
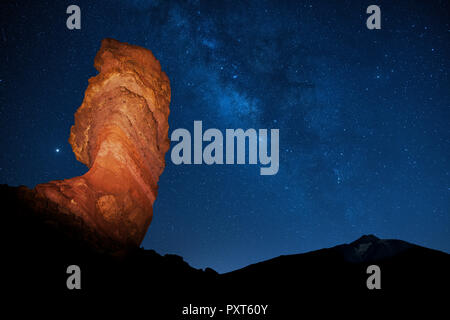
363, 116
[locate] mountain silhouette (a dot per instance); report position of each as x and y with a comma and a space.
343, 269
38, 252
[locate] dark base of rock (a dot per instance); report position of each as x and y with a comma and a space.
38, 251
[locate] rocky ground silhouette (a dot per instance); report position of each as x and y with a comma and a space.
39, 250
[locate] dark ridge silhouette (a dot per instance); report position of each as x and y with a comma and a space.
38, 252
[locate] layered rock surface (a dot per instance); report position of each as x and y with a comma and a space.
121, 134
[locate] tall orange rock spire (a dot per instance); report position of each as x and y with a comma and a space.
121, 135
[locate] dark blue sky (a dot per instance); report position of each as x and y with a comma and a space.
363, 116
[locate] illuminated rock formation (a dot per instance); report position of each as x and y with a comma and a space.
121, 134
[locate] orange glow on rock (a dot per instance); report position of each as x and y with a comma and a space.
121, 134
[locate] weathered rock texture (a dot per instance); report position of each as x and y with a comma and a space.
121, 134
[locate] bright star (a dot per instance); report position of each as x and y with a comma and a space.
57, 150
